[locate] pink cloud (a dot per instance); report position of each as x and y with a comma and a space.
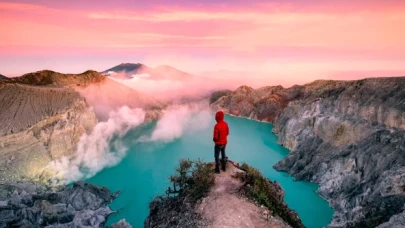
20, 6
302, 37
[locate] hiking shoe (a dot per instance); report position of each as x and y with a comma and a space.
216, 171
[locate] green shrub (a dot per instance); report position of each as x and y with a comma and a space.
268, 194
192, 179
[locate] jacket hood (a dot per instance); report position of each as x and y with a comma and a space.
219, 116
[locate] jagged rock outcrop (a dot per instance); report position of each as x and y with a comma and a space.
173, 212
262, 104
347, 136
396, 221
30, 204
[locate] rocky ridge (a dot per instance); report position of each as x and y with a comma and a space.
226, 204
52, 78
347, 136
29, 204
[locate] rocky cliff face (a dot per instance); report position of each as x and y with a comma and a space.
347, 136
44, 114
38, 125
42, 117
28, 204
100, 92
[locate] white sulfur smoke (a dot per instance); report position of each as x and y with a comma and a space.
104, 148
176, 120
171, 90
98, 149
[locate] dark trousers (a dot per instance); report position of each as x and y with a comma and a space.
220, 149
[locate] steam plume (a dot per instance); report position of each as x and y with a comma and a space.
102, 148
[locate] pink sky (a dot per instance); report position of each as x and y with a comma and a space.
286, 42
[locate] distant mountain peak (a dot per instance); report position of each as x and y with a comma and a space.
2, 76
131, 65
129, 70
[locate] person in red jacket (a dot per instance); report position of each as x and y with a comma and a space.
221, 132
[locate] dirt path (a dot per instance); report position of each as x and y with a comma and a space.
224, 207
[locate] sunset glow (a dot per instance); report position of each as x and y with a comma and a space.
285, 42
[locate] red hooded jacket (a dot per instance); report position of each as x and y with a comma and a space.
221, 129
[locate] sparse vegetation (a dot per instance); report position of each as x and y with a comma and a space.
191, 182
192, 179
269, 194
339, 131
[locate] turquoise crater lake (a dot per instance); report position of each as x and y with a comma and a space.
143, 173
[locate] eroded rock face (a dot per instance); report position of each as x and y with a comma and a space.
30, 204
261, 104
44, 114
173, 212
396, 221
38, 125
349, 137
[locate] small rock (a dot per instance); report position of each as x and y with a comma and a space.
3, 203
237, 172
121, 224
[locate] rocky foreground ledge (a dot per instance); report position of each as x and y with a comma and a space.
30, 204
239, 197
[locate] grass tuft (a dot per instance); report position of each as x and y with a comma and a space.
269, 194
